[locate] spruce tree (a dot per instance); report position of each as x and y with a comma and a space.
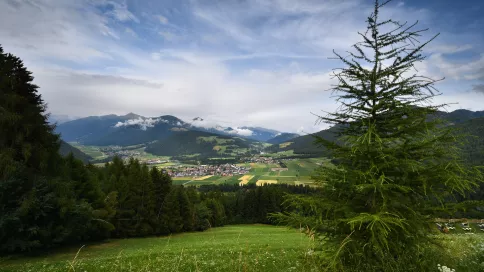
396, 162
171, 218
162, 184
44, 199
27, 138
186, 210
146, 208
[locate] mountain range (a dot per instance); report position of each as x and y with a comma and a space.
202, 143
170, 136
132, 129
466, 121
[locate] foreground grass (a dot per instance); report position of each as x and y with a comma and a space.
231, 248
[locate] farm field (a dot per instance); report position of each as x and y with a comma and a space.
299, 173
230, 248
92, 151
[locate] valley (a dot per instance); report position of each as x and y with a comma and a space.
196, 156
186, 172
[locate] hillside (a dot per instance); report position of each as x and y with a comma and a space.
306, 144
469, 122
473, 148
202, 143
66, 148
283, 137
89, 128
133, 129
460, 116
125, 130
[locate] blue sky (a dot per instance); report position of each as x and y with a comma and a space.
234, 62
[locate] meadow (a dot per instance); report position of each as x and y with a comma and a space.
230, 248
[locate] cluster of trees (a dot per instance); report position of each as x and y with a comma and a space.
87, 203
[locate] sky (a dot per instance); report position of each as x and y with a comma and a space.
260, 63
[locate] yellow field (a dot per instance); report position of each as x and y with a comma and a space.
245, 179
204, 177
263, 182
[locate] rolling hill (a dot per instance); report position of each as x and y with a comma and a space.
66, 148
469, 122
473, 147
201, 143
306, 144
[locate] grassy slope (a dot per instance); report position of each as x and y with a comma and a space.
199, 142
232, 248
92, 151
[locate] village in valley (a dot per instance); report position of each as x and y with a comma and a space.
205, 170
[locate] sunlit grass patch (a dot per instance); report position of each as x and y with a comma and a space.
232, 248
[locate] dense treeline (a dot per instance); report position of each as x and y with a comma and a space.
87, 203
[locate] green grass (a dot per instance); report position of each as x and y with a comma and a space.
299, 171
231, 248
92, 151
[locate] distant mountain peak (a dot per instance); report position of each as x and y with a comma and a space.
131, 115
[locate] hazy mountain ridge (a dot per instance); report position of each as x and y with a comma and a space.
199, 142
466, 121
134, 129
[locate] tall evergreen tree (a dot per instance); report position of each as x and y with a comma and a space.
27, 138
186, 210
171, 219
162, 185
396, 165
146, 209
39, 206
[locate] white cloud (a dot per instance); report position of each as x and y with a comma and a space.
120, 12
211, 124
469, 70
257, 62
241, 131
143, 124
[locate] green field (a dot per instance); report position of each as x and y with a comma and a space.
231, 248
92, 151
299, 172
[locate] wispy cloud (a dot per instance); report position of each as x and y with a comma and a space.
255, 62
